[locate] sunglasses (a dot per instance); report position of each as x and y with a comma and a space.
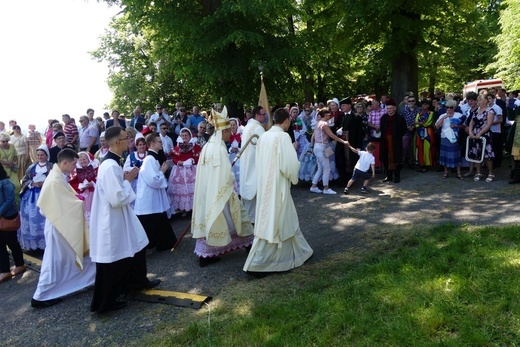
450, 107
411, 100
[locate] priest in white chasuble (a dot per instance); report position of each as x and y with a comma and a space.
66, 265
279, 244
219, 221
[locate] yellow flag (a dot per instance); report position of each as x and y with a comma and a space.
264, 102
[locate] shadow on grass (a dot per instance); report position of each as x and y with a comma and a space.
448, 285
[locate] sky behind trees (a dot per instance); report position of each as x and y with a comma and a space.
46, 70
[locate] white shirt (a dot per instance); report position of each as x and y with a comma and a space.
167, 144
158, 120
447, 131
86, 134
365, 160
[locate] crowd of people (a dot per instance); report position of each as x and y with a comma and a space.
97, 196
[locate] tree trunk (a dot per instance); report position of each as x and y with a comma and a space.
308, 89
432, 80
321, 89
209, 6
404, 75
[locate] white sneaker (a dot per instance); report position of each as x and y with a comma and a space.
329, 191
316, 190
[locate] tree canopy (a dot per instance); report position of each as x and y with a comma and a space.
204, 51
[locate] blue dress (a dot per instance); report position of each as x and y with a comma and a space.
30, 234
133, 161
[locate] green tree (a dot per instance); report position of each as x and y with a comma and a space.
203, 51
432, 44
507, 63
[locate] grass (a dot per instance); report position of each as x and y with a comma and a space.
444, 286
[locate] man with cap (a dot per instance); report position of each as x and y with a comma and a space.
219, 220
343, 157
393, 128
61, 143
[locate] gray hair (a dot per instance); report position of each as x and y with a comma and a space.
451, 103
4, 137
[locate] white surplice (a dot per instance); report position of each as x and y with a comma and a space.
248, 171
115, 231
151, 188
279, 244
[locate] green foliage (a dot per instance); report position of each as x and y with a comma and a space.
507, 63
205, 51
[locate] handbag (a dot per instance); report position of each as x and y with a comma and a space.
10, 224
328, 152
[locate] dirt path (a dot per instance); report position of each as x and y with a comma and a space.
331, 224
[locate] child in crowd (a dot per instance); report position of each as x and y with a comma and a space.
366, 161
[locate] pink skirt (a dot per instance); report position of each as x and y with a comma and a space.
203, 250
181, 187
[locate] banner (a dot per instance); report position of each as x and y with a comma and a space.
264, 102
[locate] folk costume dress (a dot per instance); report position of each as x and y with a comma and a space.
450, 153
425, 139
219, 221
31, 232
9, 154
181, 184
134, 159
80, 177
279, 244
66, 265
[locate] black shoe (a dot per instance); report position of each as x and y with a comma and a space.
345, 191
118, 305
152, 284
258, 274
208, 261
388, 179
44, 303
397, 179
